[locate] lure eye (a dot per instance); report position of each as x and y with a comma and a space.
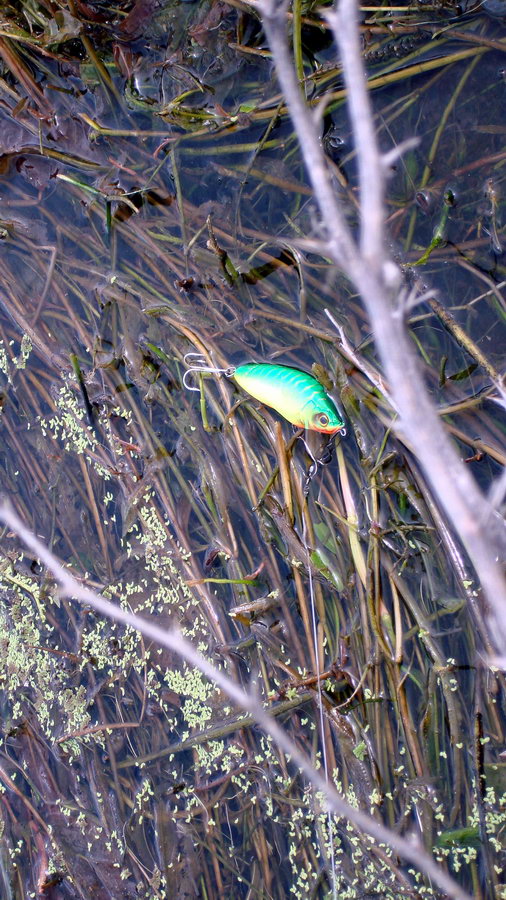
322, 419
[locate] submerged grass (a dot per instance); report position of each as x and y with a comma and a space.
125, 773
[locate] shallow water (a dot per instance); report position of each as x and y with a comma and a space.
153, 204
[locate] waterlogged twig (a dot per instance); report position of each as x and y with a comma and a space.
174, 640
378, 280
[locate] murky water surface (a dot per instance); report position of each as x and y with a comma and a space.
153, 203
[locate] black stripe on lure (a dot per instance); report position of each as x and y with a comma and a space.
294, 394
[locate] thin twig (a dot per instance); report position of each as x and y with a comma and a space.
174, 640
372, 216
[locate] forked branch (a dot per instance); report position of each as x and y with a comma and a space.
378, 279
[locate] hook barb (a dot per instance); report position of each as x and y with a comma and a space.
196, 362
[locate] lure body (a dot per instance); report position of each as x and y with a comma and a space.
294, 394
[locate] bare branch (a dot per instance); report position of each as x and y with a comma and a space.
378, 280
345, 30
338, 234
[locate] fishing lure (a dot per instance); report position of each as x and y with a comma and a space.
295, 394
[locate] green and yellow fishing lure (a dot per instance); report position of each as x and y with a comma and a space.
294, 394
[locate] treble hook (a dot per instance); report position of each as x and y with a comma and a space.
196, 362
323, 459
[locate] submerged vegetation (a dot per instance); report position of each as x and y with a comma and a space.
154, 203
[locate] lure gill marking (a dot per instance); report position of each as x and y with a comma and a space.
294, 394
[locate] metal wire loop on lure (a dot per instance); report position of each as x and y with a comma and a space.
196, 362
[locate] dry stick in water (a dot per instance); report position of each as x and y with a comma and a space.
174, 640
378, 280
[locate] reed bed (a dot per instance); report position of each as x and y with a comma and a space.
155, 204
